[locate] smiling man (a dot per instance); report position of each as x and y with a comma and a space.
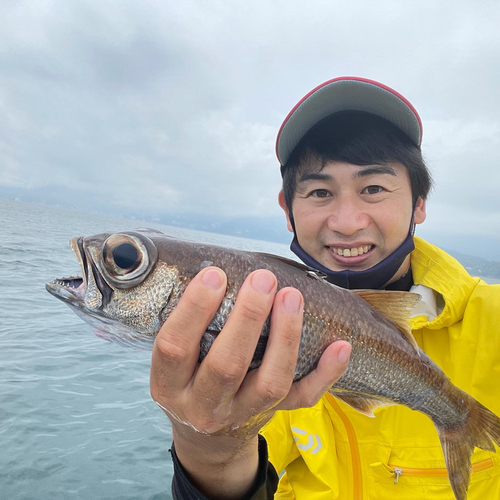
351, 217
354, 187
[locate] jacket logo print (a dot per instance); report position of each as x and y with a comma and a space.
313, 443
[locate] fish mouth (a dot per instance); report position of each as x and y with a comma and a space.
76, 245
71, 289
74, 289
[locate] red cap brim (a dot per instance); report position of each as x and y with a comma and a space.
343, 94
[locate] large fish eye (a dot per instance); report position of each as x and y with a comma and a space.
125, 257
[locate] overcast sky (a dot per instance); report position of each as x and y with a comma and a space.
175, 106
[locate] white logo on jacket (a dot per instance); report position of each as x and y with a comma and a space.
313, 443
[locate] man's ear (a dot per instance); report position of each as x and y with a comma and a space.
419, 214
281, 201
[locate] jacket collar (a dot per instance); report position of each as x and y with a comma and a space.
449, 286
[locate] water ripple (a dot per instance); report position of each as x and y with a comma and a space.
76, 417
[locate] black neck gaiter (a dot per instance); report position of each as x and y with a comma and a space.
373, 278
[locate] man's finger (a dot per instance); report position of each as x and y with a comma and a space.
226, 364
176, 347
275, 375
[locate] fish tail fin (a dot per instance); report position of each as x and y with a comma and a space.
481, 429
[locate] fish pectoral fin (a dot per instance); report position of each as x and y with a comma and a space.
395, 306
364, 404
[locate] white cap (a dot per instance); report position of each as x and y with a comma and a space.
346, 93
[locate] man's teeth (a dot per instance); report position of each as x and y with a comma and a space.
352, 252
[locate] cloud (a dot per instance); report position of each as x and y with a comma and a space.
463, 158
175, 106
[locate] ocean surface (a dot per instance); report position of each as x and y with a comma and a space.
76, 417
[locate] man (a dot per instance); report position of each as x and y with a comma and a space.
354, 186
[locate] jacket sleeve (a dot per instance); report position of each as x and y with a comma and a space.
264, 487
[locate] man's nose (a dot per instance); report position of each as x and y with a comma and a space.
349, 215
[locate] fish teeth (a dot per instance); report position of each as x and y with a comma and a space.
67, 282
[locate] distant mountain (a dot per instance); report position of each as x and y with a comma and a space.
258, 228
477, 266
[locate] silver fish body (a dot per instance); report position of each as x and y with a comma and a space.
132, 281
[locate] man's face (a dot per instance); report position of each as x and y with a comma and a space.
352, 217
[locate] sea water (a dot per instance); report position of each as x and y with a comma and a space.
76, 417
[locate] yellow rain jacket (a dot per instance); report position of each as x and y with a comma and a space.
332, 451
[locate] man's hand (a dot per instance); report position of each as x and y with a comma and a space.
217, 407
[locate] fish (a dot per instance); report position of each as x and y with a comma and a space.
131, 282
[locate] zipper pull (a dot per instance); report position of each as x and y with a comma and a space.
397, 473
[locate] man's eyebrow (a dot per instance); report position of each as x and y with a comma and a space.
318, 176
374, 170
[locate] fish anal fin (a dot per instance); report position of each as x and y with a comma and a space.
364, 404
394, 305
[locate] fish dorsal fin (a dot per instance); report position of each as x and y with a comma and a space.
308, 270
361, 402
395, 306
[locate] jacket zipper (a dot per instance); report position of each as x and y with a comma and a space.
397, 471
353, 445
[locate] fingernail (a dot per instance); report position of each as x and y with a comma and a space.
262, 281
212, 278
344, 354
293, 302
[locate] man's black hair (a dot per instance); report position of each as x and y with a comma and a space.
358, 138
